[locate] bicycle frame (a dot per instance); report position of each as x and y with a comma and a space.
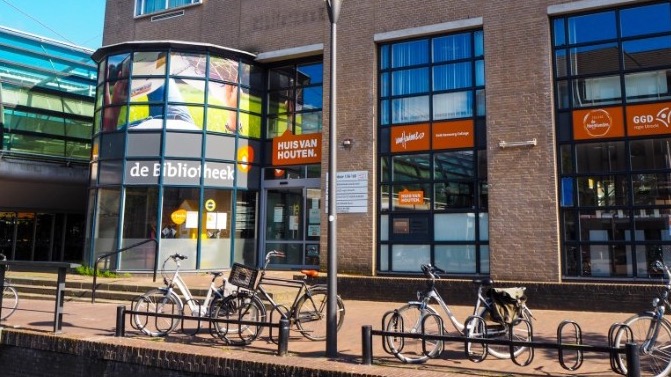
432, 293
200, 310
660, 305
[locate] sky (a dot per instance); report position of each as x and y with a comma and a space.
78, 22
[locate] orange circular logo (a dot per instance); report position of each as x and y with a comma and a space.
245, 157
597, 122
178, 217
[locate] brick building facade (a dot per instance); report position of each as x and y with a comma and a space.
524, 224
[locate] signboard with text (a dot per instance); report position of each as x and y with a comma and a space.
290, 149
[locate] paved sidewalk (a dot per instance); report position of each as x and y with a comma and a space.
83, 320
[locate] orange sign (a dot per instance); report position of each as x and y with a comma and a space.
651, 119
455, 134
289, 149
598, 123
410, 198
410, 138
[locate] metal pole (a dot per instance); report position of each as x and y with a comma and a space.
120, 321
367, 345
333, 7
633, 361
283, 342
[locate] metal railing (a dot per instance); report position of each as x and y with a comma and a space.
107, 255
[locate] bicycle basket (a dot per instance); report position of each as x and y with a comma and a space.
243, 276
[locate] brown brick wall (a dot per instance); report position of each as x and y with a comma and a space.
523, 216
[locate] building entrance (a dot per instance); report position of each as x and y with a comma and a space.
292, 221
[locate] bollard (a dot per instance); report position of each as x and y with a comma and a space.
367, 344
120, 321
633, 360
283, 341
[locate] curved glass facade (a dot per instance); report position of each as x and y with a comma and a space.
176, 155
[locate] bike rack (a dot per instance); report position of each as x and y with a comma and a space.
577, 337
530, 335
631, 350
612, 332
282, 325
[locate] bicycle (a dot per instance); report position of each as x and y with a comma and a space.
307, 312
652, 332
419, 317
10, 297
165, 300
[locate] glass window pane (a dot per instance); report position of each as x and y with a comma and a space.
223, 69
251, 101
646, 53
458, 259
183, 144
410, 53
452, 76
603, 191
220, 94
149, 63
189, 91
559, 31
411, 109
308, 123
249, 125
645, 86
106, 220
454, 165
581, 28
480, 109
651, 154
217, 217
652, 189
597, 91
410, 81
139, 224
409, 258
309, 98
560, 63
646, 20
454, 195
192, 65
182, 218
479, 72
595, 59
454, 227
245, 228
452, 47
601, 157
310, 74
384, 57
479, 43
452, 105
220, 120
411, 167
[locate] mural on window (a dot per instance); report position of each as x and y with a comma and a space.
613, 110
433, 197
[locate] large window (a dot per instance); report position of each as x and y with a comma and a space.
433, 191
295, 99
612, 102
153, 6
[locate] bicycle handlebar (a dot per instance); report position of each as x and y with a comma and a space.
661, 266
431, 272
178, 256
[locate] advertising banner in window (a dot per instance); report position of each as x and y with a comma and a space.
650, 119
410, 138
599, 123
290, 149
451, 135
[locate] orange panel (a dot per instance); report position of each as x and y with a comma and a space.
598, 123
650, 119
410, 138
454, 134
289, 149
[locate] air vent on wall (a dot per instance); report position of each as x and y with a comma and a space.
166, 16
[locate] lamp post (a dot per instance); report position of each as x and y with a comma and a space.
333, 8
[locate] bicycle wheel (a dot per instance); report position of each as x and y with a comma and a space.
495, 330
311, 313
655, 361
408, 319
10, 300
239, 307
157, 301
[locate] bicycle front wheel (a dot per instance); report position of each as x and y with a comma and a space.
655, 357
10, 300
311, 313
502, 331
239, 307
156, 301
408, 319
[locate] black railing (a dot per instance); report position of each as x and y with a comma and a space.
107, 255
631, 350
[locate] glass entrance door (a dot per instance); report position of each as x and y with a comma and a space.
292, 225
